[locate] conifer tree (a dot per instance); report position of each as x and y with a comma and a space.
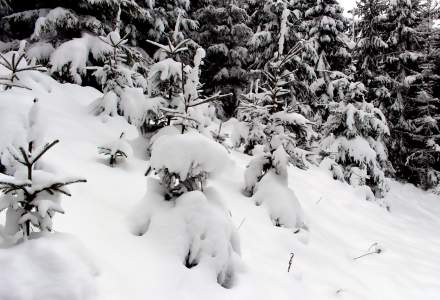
370, 31
117, 79
324, 27
13, 64
271, 115
224, 33
175, 86
355, 132
184, 163
276, 26
117, 150
413, 110
32, 195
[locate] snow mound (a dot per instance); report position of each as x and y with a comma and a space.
50, 267
194, 230
280, 202
188, 154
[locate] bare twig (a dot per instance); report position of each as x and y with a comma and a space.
292, 255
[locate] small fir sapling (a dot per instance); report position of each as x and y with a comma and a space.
122, 86
117, 150
267, 172
13, 63
266, 181
178, 84
282, 132
32, 196
271, 114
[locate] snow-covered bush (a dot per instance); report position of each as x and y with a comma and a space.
184, 162
117, 150
280, 202
354, 142
184, 216
31, 197
266, 181
194, 230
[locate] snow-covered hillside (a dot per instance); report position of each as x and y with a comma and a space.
114, 264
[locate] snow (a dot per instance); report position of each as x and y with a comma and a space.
40, 51
341, 226
50, 267
167, 69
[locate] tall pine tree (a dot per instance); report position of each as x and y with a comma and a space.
224, 33
412, 110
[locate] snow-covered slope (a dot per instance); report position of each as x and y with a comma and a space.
341, 225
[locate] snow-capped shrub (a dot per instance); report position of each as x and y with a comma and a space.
198, 231
184, 161
41, 52
280, 202
273, 121
117, 150
266, 181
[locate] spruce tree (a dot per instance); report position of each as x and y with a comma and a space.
118, 79
413, 110
224, 33
324, 27
370, 32
175, 86
355, 132
32, 196
276, 25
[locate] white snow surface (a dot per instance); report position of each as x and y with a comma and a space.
341, 226
49, 267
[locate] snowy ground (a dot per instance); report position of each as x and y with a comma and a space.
342, 227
